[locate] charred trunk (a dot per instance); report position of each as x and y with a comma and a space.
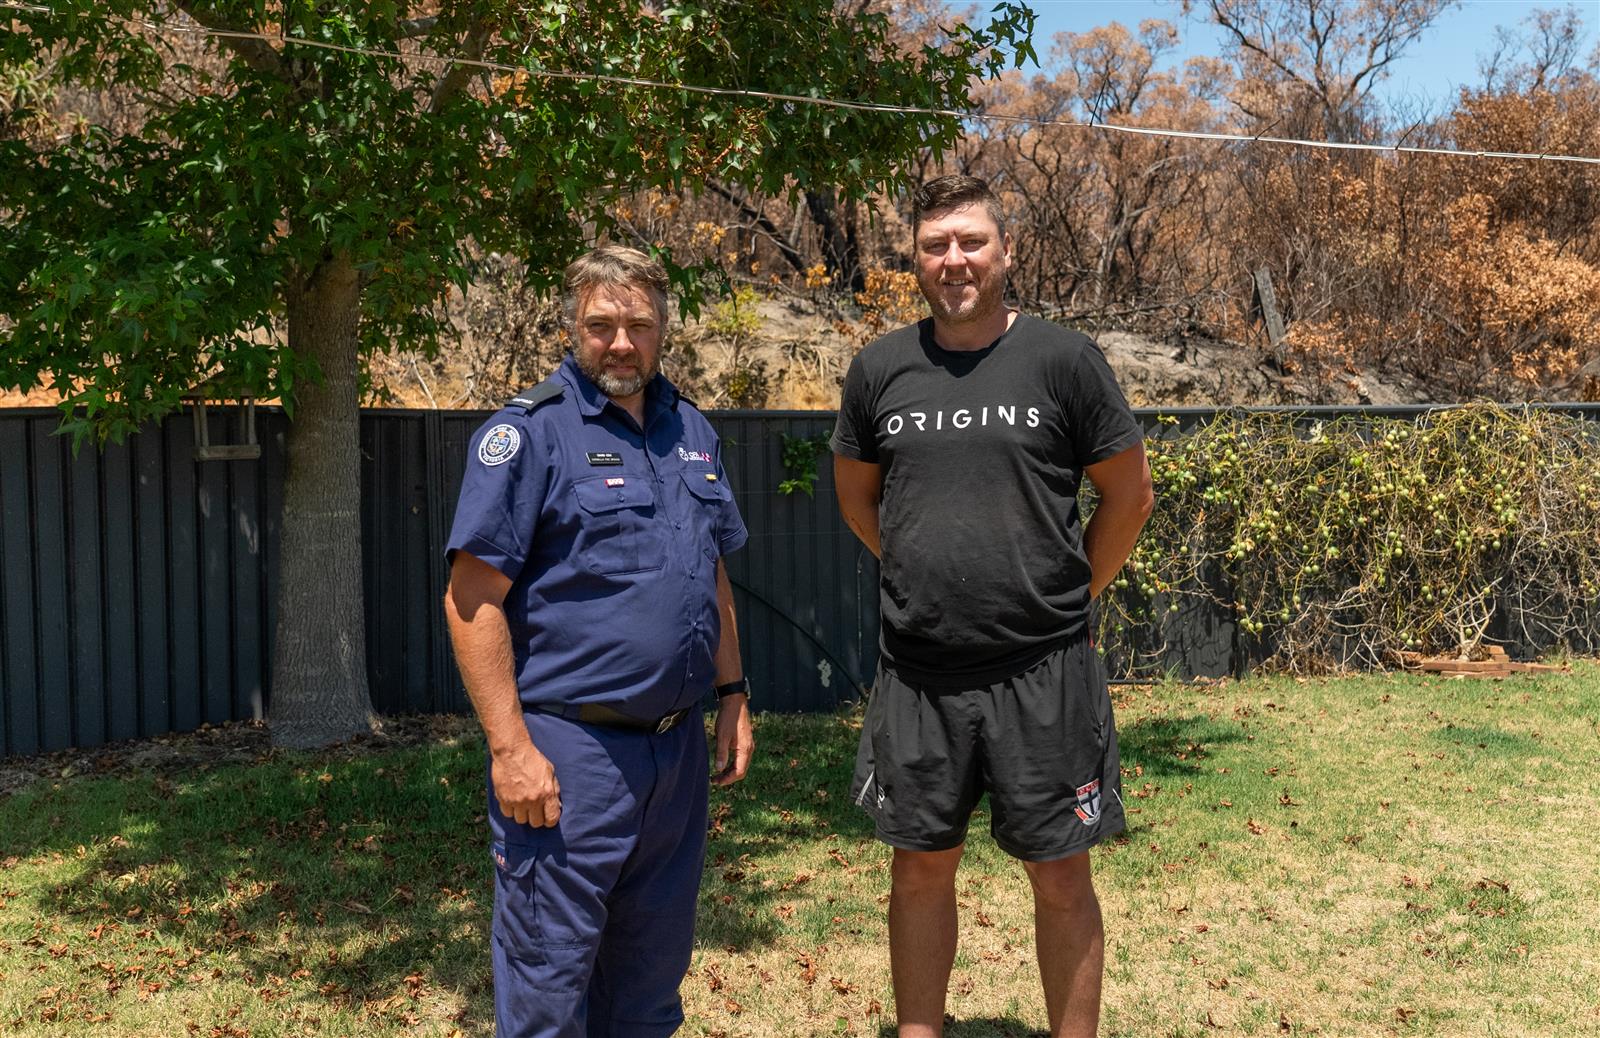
841, 250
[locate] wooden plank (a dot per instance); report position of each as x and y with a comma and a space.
19, 659
151, 568
1266, 302
1486, 667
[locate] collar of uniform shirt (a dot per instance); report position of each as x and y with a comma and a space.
659, 393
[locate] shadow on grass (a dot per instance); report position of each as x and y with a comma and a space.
1167, 747
794, 801
1493, 740
985, 1027
356, 874
352, 876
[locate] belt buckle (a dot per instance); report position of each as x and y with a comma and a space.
666, 723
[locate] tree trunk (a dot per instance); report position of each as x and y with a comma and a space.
840, 255
319, 659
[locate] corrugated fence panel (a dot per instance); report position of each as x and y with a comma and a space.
138, 587
19, 719
152, 608
801, 611
51, 573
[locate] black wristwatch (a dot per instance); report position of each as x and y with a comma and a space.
734, 688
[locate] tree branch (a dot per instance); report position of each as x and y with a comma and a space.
756, 216
257, 54
454, 81
411, 28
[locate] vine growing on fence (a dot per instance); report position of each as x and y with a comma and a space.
1341, 543
800, 455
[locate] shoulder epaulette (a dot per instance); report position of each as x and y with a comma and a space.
546, 391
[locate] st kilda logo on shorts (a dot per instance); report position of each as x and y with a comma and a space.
1088, 808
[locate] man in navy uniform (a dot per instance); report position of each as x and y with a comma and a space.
961, 445
591, 614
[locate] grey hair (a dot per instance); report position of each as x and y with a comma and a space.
612, 266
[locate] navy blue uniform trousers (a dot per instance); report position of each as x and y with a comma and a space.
594, 917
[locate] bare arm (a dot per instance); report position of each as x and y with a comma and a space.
859, 487
1126, 500
736, 740
474, 607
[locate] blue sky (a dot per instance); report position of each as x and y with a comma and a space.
1430, 71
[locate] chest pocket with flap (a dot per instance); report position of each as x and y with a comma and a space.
618, 528
711, 498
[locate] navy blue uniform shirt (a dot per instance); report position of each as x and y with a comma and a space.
610, 535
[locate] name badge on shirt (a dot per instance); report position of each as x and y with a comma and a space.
604, 458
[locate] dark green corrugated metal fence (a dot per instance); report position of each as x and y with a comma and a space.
137, 586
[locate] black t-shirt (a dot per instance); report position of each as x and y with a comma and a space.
982, 452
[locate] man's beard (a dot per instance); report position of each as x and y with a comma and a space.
987, 301
616, 385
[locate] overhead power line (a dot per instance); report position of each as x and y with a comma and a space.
830, 102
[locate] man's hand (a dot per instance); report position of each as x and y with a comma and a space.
736, 739
525, 784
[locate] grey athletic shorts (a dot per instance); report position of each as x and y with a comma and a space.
1042, 744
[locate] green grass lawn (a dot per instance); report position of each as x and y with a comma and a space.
1361, 856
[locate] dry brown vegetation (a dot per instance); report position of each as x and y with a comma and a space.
1456, 277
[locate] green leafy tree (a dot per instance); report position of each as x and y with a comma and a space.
280, 210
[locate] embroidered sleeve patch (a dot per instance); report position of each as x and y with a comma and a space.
499, 445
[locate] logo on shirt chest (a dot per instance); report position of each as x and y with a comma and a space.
685, 455
987, 415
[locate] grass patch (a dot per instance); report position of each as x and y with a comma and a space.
1358, 856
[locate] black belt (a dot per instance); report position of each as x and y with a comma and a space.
594, 713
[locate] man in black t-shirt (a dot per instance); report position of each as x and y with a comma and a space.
961, 444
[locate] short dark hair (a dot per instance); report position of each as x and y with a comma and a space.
953, 192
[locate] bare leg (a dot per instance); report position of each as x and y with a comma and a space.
922, 937
1071, 942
